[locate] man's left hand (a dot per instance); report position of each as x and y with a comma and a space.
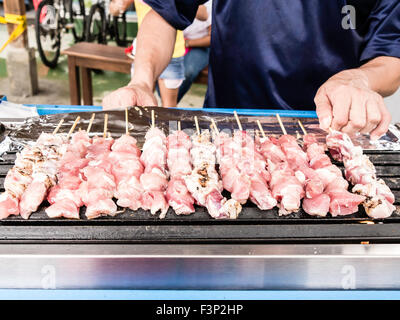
346, 103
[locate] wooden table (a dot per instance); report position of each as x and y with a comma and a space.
84, 56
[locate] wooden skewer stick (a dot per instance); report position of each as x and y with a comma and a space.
126, 122
73, 126
261, 129
302, 127
215, 126
214, 129
179, 126
238, 120
90, 123
153, 121
197, 125
281, 124
105, 125
58, 126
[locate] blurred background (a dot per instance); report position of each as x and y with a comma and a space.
53, 83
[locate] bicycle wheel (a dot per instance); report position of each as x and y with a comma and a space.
96, 25
77, 17
48, 33
119, 25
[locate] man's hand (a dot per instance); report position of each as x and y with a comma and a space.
131, 95
347, 103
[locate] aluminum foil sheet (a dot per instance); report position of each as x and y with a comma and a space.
17, 134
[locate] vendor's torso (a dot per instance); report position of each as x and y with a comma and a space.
277, 53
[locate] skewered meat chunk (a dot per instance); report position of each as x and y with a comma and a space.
204, 183
360, 172
63, 208
286, 184
127, 169
271, 151
44, 160
286, 189
234, 179
179, 165
65, 196
154, 180
20, 177
16, 181
336, 198
318, 205
98, 187
8, 205
129, 193
243, 170
179, 197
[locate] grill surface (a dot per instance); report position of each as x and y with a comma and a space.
253, 225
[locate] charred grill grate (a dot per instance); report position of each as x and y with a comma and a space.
253, 225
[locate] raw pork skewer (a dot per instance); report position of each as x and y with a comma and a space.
44, 176
335, 197
20, 176
229, 156
316, 201
361, 173
179, 165
285, 185
65, 197
248, 178
127, 169
154, 179
98, 186
204, 183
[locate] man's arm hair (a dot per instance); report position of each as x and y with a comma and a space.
155, 45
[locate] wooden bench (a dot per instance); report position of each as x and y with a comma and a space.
84, 56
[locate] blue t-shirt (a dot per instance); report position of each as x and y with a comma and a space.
277, 53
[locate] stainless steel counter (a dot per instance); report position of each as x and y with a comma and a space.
197, 267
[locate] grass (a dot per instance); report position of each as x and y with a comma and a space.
3, 68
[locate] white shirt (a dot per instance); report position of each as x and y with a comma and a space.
199, 29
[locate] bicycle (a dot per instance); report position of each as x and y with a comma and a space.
52, 18
101, 24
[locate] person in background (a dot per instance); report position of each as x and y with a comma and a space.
197, 43
173, 75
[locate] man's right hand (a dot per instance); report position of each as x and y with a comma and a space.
131, 95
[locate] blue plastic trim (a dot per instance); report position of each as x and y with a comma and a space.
261, 112
45, 109
54, 109
38, 294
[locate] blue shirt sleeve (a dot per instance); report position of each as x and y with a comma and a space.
383, 37
178, 13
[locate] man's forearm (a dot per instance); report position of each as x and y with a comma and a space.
383, 75
155, 45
